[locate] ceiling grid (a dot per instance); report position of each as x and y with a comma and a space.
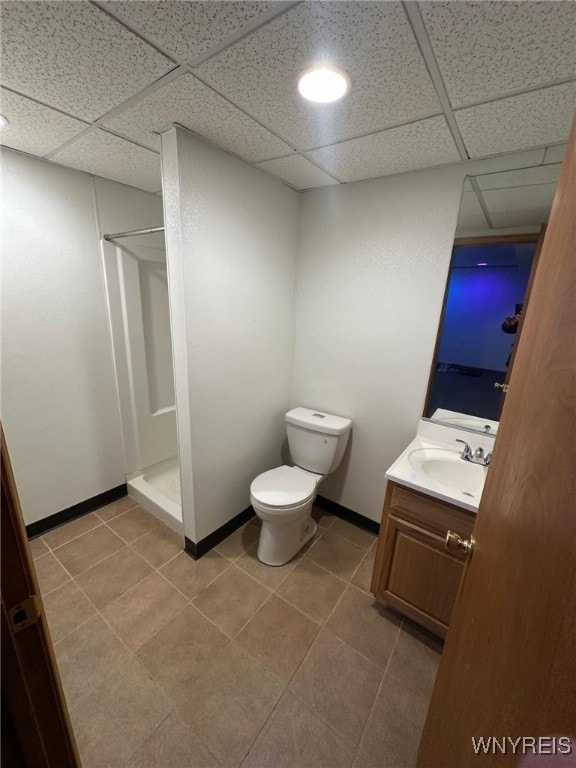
426, 89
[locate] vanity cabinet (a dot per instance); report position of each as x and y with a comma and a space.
413, 572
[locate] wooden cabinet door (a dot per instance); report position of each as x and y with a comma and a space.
419, 577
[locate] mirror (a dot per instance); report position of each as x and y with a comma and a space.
494, 258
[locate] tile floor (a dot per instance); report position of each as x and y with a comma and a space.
169, 662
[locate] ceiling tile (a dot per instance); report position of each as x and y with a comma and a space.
188, 30
192, 104
74, 57
509, 161
555, 154
542, 174
518, 122
488, 49
471, 218
104, 154
520, 205
298, 171
418, 145
34, 128
372, 41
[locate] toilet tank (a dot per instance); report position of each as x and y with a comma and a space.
317, 440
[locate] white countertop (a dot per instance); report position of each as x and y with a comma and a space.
438, 440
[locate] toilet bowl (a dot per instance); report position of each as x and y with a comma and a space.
283, 497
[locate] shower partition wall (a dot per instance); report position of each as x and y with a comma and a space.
138, 305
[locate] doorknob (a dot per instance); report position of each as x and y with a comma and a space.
455, 543
503, 387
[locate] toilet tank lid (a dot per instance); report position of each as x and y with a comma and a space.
318, 421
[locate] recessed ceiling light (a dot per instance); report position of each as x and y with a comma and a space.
323, 84
3, 121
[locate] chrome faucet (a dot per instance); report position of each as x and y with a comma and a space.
466, 454
476, 457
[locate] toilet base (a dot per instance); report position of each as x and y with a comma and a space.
281, 541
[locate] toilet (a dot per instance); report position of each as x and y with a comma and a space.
283, 497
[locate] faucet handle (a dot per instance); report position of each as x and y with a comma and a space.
466, 451
488, 459
479, 453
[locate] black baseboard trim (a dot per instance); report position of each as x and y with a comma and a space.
77, 510
196, 550
348, 514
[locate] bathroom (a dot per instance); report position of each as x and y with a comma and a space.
307, 251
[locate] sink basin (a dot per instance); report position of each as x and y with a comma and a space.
446, 468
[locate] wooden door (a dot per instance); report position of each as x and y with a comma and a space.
509, 665
36, 731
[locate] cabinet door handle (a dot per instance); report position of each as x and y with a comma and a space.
455, 543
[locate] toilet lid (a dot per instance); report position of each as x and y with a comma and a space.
283, 487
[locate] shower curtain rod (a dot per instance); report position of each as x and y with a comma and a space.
118, 235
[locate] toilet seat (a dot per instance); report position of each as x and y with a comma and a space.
284, 487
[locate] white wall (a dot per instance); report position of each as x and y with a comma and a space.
372, 267
231, 247
373, 262
59, 399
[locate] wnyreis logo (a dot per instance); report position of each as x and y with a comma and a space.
523, 745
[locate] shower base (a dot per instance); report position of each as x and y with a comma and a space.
157, 489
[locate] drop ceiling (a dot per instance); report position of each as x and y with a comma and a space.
92, 85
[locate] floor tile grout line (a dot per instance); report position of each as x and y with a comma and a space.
62, 525
98, 562
365, 551
379, 688
325, 626
155, 567
274, 589
307, 615
312, 644
136, 504
78, 626
159, 523
356, 571
375, 663
246, 622
324, 568
98, 613
170, 560
189, 601
74, 538
146, 740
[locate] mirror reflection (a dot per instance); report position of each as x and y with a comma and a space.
500, 227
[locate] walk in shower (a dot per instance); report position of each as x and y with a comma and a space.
138, 305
